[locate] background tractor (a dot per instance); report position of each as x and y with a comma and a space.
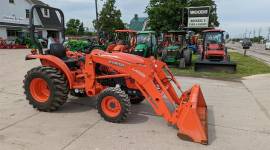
113, 78
146, 44
175, 49
125, 41
213, 53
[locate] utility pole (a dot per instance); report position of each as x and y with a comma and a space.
268, 33
260, 30
246, 32
96, 10
97, 17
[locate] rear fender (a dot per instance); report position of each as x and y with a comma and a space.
52, 61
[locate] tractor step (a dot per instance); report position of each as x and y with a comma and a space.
210, 66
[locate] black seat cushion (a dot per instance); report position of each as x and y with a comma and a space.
58, 50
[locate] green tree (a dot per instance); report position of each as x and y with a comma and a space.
257, 39
109, 18
167, 15
81, 30
74, 27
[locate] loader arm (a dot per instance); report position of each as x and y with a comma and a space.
156, 82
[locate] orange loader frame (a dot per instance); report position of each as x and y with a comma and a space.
152, 77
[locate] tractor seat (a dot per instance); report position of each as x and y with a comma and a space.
58, 50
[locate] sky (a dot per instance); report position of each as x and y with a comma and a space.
237, 17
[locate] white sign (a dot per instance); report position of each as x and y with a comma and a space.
198, 17
198, 22
13, 19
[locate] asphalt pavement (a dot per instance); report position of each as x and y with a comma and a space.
238, 117
257, 51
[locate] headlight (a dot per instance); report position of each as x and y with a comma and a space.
139, 50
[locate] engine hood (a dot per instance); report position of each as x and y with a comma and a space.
141, 47
120, 56
172, 47
215, 47
215, 53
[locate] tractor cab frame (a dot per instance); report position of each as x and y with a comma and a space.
146, 45
124, 41
214, 55
175, 49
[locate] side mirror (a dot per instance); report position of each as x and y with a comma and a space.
227, 36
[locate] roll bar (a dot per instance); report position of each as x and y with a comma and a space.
33, 27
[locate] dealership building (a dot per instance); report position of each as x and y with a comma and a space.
14, 20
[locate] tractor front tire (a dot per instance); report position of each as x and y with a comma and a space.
113, 105
182, 63
188, 57
45, 88
164, 55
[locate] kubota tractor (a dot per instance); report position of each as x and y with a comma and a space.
213, 53
125, 41
114, 78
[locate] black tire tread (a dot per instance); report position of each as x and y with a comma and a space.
122, 97
60, 88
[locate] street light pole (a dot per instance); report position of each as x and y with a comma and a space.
96, 10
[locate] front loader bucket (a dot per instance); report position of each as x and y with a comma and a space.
211, 66
192, 116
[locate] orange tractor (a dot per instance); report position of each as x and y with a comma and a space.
114, 78
125, 41
214, 55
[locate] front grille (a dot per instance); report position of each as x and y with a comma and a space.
215, 58
138, 53
171, 53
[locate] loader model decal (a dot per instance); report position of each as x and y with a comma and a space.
116, 63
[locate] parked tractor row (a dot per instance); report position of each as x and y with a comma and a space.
175, 48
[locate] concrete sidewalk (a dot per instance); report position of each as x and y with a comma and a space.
259, 87
238, 118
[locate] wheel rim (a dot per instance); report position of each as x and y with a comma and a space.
111, 106
39, 90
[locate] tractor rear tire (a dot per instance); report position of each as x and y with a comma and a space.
45, 88
113, 105
188, 57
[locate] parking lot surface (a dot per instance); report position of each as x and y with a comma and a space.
238, 117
